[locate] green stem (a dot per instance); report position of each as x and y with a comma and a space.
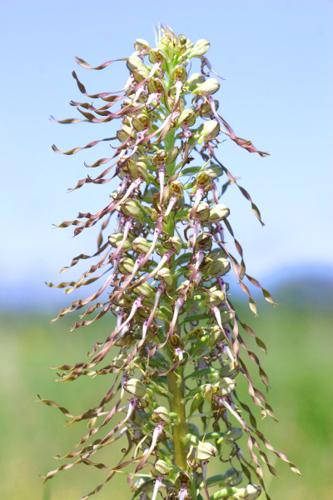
177, 405
176, 377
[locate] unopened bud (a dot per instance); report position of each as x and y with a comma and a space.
173, 243
210, 131
195, 79
156, 55
161, 413
187, 117
176, 189
126, 265
141, 45
135, 386
200, 48
219, 212
203, 180
180, 73
141, 122
202, 211
159, 157
116, 238
137, 168
133, 209
205, 451
219, 267
135, 64
204, 241
141, 245
207, 87
163, 467
145, 290
165, 275
250, 492
124, 133
215, 297
155, 86
205, 109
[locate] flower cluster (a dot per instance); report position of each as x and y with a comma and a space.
177, 348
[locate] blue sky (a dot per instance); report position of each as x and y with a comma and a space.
275, 57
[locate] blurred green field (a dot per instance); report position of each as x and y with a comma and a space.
299, 363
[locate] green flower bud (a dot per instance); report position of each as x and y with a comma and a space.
163, 467
135, 65
137, 168
141, 122
219, 267
141, 45
165, 275
183, 40
204, 241
126, 265
210, 130
155, 86
207, 87
141, 245
219, 212
187, 117
155, 56
205, 450
135, 386
205, 109
180, 73
250, 492
116, 238
195, 79
124, 133
176, 189
173, 243
202, 211
203, 180
159, 157
161, 413
215, 265
133, 209
200, 48
215, 297
145, 290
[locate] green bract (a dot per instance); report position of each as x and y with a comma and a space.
175, 348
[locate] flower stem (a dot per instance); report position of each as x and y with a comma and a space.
177, 405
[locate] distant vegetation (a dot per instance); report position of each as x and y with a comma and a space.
299, 362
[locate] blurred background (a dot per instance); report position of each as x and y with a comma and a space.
276, 64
